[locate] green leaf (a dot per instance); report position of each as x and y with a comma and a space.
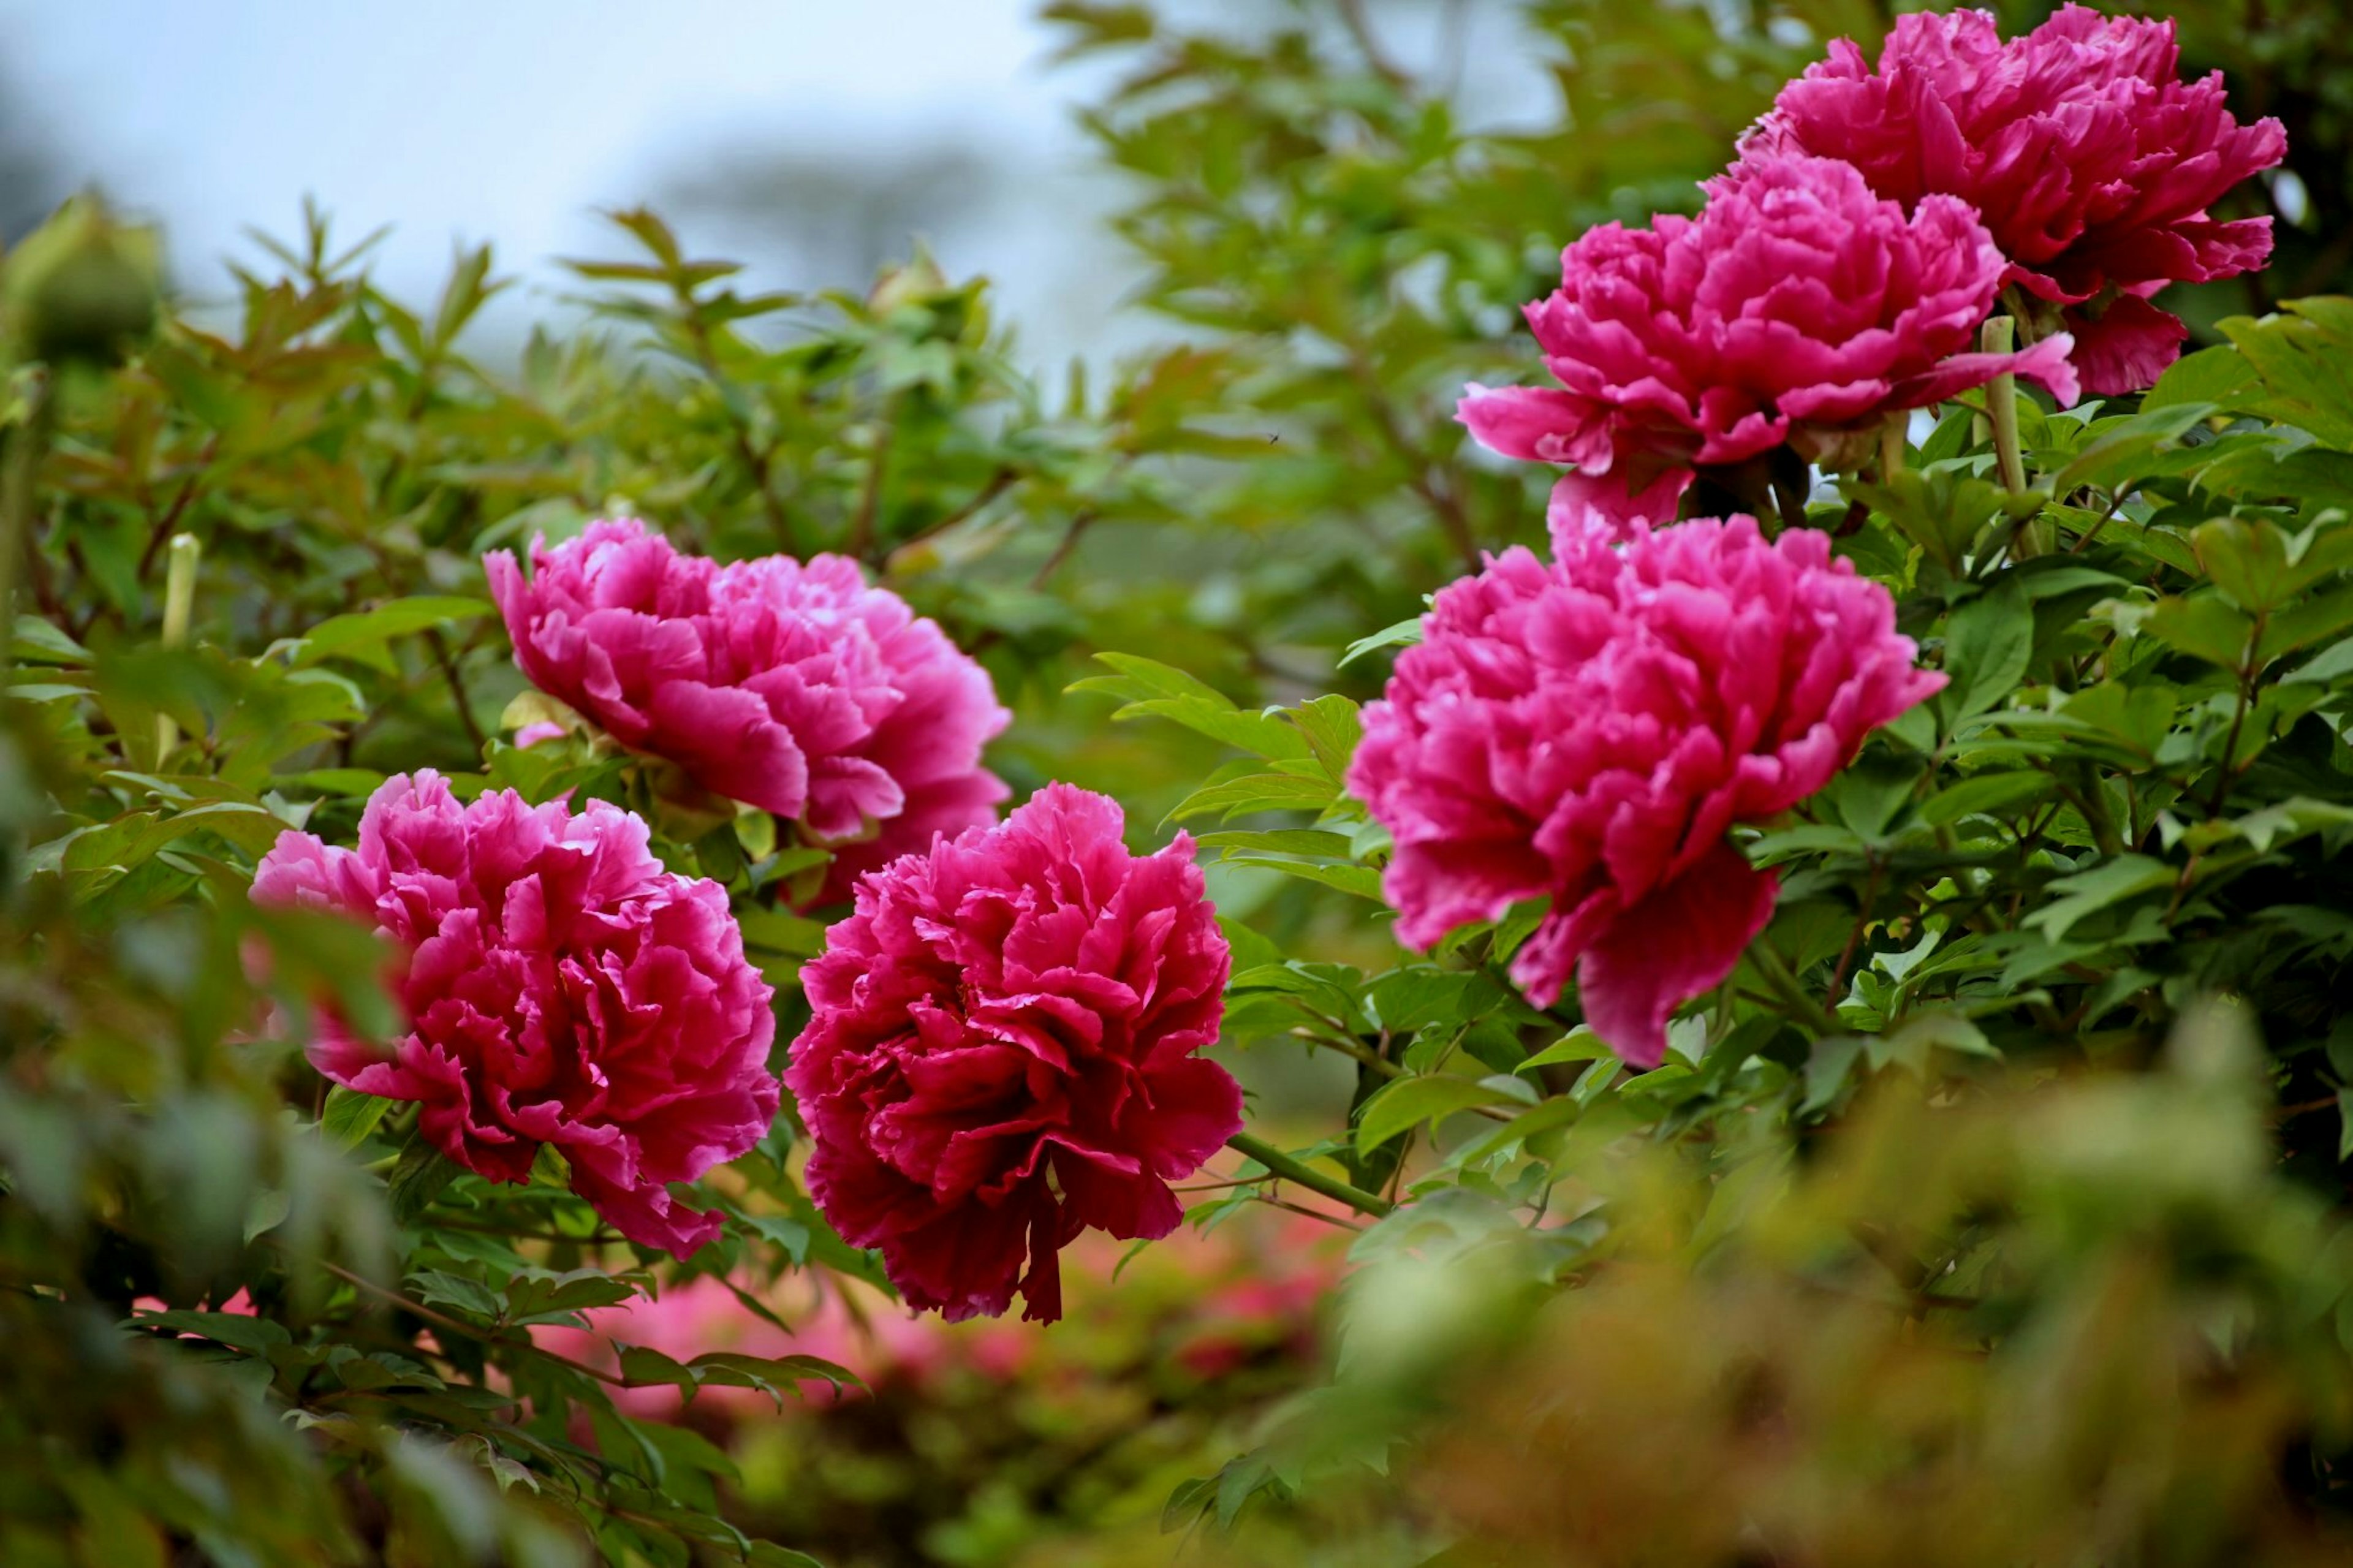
1579, 1045
647, 1368
1826, 1069
350, 1116
1407, 1102
2123, 449
535, 1294
438, 1287
1333, 727
240, 1330
1309, 842
769, 1373
38, 642
2209, 376
2137, 716
1140, 679
1361, 880
2316, 619
2203, 626
2088, 892
1257, 792
1403, 633
769, 1554
418, 1177
1990, 794
357, 635
1986, 643
1258, 733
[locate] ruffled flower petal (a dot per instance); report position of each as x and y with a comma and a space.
1001, 1052
1589, 730
561, 988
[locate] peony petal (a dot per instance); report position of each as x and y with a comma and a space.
998, 1054
1600, 507
561, 987
1682, 940
2125, 348
1537, 423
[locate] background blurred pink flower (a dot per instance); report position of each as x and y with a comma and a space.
2091, 161
701, 1316
1588, 731
561, 988
793, 687
1203, 1306
1797, 307
1002, 1053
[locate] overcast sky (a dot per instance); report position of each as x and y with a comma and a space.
515, 120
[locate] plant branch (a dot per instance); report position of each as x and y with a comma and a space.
161, 533
755, 461
1348, 1047
1289, 1169
869, 497
1861, 919
1081, 520
440, 645
1785, 985
448, 1324
1360, 28
1440, 498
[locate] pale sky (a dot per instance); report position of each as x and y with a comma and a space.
514, 120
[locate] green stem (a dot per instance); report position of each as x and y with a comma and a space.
2035, 535
1785, 985
1891, 450
179, 608
1306, 1176
27, 447
1997, 337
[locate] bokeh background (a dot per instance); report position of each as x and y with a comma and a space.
809, 139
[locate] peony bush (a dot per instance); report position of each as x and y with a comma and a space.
1714, 932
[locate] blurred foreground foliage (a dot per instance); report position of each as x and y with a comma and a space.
1965, 1226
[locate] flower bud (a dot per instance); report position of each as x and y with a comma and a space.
83, 286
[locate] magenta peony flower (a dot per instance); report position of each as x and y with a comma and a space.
1796, 307
793, 688
1588, 731
561, 987
2090, 161
1002, 1053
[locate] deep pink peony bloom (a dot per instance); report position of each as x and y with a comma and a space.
1588, 731
793, 687
1002, 1053
561, 987
2092, 162
1797, 307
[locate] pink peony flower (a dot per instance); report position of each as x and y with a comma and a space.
2087, 157
1798, 308
1002, 1053
1587, 731
793, 688
561, 988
